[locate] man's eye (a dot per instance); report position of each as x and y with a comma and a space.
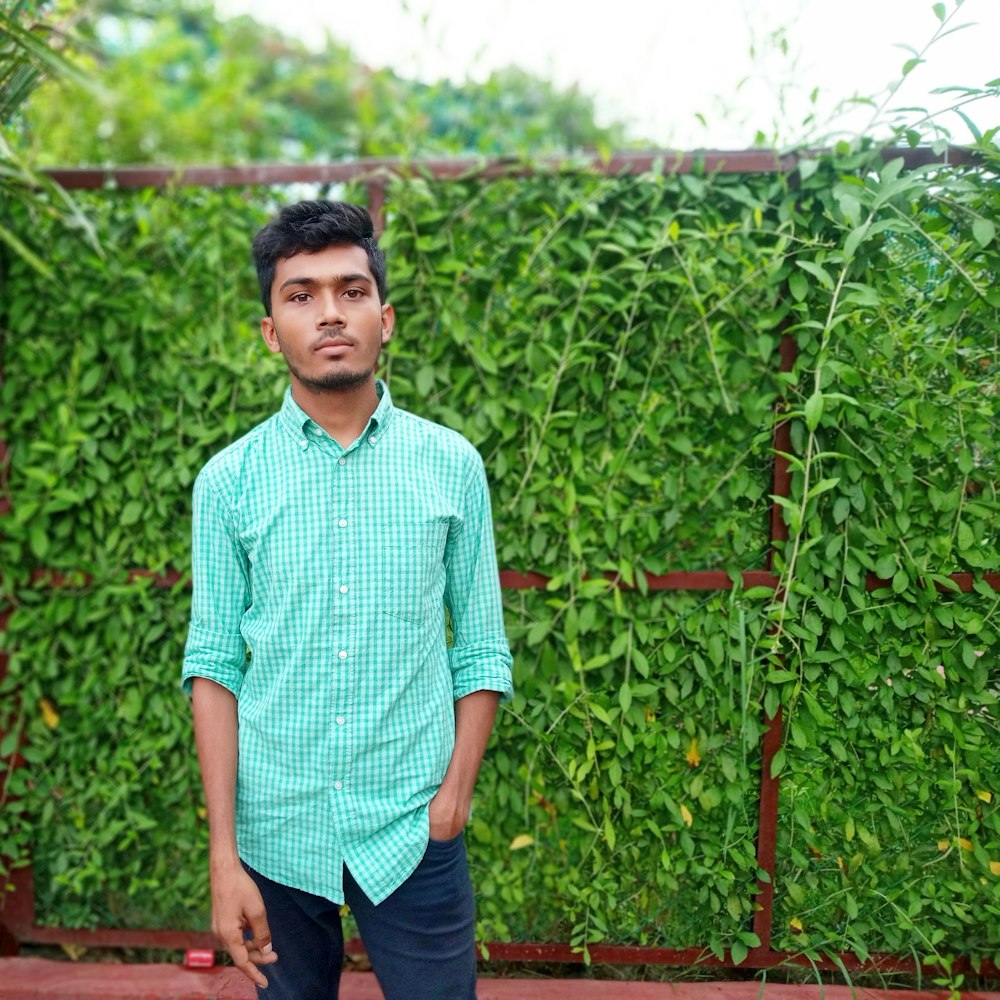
354, 293
300, 297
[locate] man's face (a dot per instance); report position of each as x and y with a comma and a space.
326, 318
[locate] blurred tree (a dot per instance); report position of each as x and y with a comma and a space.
181, 86
30, 49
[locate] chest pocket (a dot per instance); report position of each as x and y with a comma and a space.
411, 560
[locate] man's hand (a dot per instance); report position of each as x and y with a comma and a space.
448, 814
237, 907
449, 810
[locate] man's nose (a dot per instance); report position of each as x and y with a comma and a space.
331, 313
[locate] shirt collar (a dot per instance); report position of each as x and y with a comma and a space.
300, 425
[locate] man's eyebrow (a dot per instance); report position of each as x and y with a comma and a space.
337, 279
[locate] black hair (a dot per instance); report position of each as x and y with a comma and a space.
311, 226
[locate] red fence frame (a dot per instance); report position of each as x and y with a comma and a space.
17, 906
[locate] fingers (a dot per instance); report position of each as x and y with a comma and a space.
252, 947
261, 940
247, 955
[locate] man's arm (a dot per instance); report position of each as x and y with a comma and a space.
236, 901
450, 807
479, 656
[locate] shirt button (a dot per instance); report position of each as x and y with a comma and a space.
338, 785
343, 654
341, 461
344, 588
373, 439
341, 720
343, 522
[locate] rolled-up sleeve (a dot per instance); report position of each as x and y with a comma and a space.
215, 647
479, 656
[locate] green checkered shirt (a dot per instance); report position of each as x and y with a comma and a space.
333, 567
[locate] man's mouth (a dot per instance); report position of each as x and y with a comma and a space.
333, 347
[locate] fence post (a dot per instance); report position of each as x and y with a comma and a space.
770, 785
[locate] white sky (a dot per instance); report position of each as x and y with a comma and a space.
657, 64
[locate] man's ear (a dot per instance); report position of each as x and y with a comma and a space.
270, 335
388, 322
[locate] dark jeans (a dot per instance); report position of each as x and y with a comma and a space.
420, 940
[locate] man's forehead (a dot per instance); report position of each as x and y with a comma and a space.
328, 263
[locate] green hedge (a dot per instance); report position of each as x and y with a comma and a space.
610, 346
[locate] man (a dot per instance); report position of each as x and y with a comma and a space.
339, 733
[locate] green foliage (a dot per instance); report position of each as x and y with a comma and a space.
610, 346
180, 86
581, 329
890, 837
30, 50
108, 752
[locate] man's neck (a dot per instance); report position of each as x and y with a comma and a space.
342, 413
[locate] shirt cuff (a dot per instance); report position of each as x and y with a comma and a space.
219, 656
484, 666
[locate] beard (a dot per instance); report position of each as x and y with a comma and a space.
332, 381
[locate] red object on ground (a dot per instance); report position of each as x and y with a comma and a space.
199, 958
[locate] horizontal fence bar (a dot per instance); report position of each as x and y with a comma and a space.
711, 161
504, 951
112, 938
757, 958
511, 579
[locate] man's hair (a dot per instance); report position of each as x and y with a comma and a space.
311, 226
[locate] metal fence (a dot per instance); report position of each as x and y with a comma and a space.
17, 908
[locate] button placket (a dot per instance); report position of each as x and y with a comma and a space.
343, 570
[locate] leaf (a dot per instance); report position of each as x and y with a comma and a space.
38, 539
965, 537
807, 168
995, 867
609, 833
985, 796
739, 952
49, 714
692, 755
796, 925
965, 844
823, 486
854, 239
9, 743
131, 512
984, 232
625, 696
686, 815
817, 272
813, 410
538, 631
781, 676
521, 841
